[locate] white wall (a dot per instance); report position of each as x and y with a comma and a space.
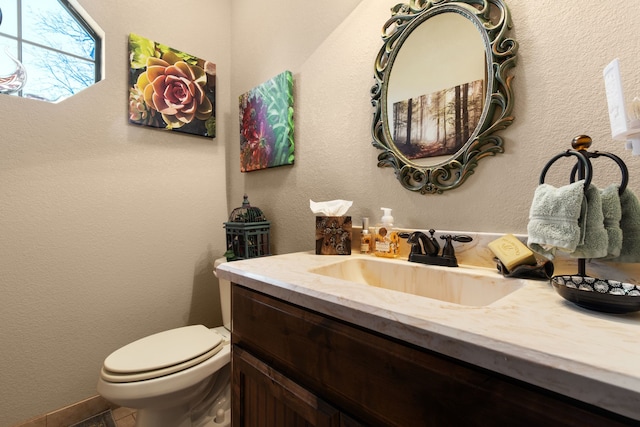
559, 93
108, 230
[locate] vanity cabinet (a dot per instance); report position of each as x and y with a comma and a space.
265, 397
296, 367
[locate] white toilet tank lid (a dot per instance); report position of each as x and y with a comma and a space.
163, 349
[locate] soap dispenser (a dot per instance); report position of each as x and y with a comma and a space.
386, 238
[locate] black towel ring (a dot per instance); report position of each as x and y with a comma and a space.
618, 160
582, 159
584, 170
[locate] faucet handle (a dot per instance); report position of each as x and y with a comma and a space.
412, 240
416, 239
448, 250
462, 238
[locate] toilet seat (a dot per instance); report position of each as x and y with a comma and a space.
162, 354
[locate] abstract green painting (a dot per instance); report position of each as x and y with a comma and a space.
266, 124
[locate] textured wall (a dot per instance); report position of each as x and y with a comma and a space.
108, 231
559, 93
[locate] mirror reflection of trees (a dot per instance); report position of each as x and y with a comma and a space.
439, 123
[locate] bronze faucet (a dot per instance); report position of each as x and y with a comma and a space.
425, 250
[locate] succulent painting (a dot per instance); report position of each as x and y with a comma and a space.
170, 89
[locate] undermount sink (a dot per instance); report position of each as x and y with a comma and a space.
464, 286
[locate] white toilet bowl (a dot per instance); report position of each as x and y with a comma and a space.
176, 378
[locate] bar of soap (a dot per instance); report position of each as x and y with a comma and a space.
512, 252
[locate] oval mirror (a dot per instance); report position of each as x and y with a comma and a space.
442, 90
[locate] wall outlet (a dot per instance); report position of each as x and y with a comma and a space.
615, 100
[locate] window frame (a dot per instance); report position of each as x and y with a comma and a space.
78, 14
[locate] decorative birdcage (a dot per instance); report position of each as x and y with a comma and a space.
247, 232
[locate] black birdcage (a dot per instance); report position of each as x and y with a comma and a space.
247, 232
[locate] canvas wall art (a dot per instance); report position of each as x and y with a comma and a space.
170, 89
439, 123
266, 124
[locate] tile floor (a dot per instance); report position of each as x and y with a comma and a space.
72, 414
124, 417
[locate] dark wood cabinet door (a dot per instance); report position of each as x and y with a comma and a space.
262, 397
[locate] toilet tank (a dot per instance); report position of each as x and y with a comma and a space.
225, 295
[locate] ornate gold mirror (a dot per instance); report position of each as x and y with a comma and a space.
442, 90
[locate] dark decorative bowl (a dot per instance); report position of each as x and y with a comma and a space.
609, 296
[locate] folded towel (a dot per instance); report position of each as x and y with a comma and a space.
553, 219
630, 225
595, 240
612, 213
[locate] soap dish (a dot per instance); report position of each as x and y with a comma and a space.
609, 296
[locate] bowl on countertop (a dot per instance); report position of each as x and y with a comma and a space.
609, 296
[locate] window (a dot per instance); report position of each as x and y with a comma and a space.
58, 48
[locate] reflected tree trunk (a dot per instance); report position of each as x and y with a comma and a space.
436, 113
457, 107
465, 112
409, 114
443, 113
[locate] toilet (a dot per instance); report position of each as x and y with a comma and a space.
176, 378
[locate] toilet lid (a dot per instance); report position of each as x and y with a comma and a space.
162, 354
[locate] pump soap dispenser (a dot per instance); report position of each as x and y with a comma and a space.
386, 238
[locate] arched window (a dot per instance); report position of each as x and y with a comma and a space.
54, 42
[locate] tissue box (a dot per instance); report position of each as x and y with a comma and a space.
333, 235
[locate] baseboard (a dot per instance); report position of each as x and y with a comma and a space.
71, 414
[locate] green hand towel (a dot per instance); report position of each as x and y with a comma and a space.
553, 219
612, 214
630, 225
595, 240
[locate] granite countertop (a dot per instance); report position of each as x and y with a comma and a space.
532, 334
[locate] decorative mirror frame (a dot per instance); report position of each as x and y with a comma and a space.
493, 24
